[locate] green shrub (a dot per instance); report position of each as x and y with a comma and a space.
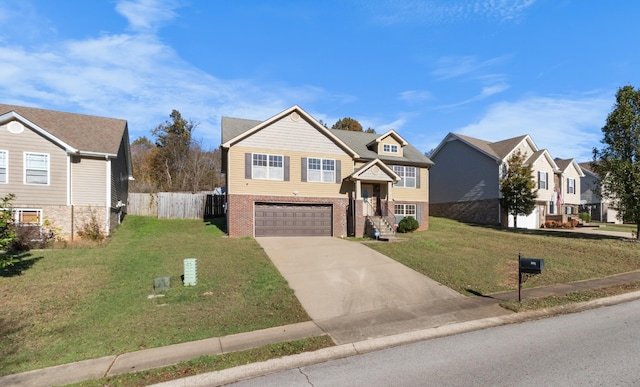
7, 229
92, 230
585, 217
408, 224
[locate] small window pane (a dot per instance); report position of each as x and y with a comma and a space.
36, 168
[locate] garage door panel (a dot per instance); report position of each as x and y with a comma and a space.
293, 220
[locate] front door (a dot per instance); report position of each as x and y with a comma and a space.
368, 200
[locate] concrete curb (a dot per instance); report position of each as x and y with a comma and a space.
250, 371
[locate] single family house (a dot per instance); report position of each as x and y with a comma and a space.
291, 176
466, 181
592, 200
64, 169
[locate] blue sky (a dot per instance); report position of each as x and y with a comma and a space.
491, 69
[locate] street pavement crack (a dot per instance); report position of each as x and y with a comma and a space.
306, 376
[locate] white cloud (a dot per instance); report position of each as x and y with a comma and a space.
447, 11
136, 77
147, 15
567, 127
415, 96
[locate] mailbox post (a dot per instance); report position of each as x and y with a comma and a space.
527, 266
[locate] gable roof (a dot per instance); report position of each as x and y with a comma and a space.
563, 164
498, 151
540, 153
377, 162
238, 126
390, 133
74, 132
354, 143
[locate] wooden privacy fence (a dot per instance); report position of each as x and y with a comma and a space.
176, 205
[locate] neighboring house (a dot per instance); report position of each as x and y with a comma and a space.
291, 176
568, 187
465, 181
592, 201
64, 168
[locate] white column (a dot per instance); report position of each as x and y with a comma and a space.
390, 191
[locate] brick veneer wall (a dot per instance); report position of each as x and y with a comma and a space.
59, 218
478, 211
241, 211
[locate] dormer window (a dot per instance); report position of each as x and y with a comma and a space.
389, 148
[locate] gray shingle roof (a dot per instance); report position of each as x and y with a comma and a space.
83, 132
233, 127
357, 141
498, 149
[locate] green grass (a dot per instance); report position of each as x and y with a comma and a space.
570, 298
211, 363
617, 227
475, 259
64, 305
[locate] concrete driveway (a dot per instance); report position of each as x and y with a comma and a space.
333, 277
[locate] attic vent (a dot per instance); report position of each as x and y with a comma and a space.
15, 127
295, 116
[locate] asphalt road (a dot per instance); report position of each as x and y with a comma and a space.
599, 347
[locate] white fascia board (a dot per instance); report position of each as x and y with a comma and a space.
13, 115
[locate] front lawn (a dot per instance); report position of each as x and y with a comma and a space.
60, 306
481, 260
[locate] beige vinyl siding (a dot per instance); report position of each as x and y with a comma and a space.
240, 185
525, 149
89, 184
54, 193
390, 140
371, 174
574, 198
542, 165
288, 135
416, 194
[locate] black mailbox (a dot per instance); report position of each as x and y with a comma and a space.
531, 265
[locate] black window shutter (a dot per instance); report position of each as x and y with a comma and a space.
303, 169
338, 172
247, 165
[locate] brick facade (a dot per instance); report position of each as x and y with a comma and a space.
63, 219
241, 212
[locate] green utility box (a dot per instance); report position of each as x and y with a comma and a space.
190, 272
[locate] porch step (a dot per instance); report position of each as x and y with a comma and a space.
379, 224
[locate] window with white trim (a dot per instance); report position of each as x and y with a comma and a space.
321, 170
571, 186
4, 167
27, 216
404, 210
569, 210
407, 176
390, 148
542, 180
36, 168
265, 166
